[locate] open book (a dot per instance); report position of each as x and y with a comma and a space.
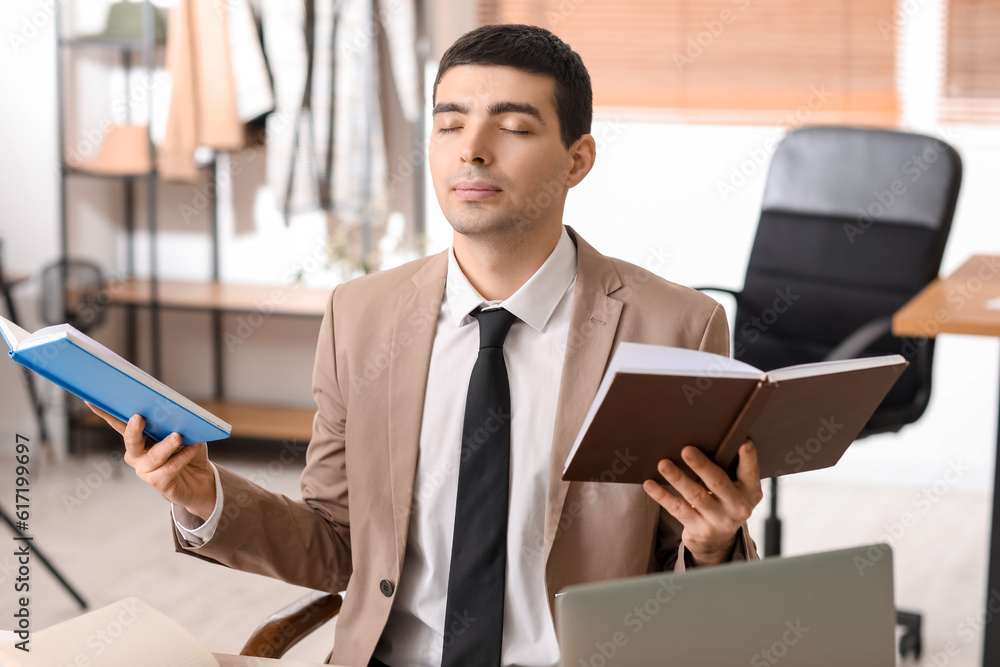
124, 634
655, 400
85, 368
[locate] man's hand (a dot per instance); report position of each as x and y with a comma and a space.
182, 474
712, 512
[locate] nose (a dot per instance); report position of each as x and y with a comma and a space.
476, 148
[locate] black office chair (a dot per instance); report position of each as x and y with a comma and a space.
72, 293
853, 224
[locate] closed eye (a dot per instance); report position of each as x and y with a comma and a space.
444, 130
515, 131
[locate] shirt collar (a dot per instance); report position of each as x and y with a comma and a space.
536, 299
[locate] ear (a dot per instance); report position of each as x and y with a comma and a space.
583, 152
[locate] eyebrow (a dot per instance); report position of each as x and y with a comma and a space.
494, 109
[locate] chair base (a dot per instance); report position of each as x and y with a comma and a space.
911, 642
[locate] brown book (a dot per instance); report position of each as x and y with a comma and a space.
656, 400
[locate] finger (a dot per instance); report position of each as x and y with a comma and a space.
156, 456
116, 424
748, 473
135, 440
694, 493
713, 477
181, 458
676, 507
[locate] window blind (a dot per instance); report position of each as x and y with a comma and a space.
739, 61
972, 70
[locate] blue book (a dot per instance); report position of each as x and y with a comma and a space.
85, 368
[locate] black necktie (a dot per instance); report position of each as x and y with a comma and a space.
473, 631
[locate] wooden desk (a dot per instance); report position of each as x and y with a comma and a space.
966, 302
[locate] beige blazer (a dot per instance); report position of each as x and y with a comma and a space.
369, 380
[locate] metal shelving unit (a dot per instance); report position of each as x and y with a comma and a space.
261, 421
133, 54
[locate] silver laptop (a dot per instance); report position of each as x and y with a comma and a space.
827, 609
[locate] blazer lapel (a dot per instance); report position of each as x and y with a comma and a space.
593, 325
413, 330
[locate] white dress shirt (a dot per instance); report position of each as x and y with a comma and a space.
533, 351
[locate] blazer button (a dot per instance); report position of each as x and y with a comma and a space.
386, 587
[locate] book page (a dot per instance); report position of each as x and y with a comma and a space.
12, 334
124, 634
838, 366
663, 360
644, 358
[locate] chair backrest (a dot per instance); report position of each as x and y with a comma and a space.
853, 224
71, 292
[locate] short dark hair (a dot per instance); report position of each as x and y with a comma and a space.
536, 50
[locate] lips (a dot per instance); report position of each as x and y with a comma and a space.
475, 190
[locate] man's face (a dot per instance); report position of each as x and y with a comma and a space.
496, 157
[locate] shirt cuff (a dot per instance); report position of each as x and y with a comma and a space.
191, 527
739, 551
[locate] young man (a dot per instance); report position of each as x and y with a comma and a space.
432, 488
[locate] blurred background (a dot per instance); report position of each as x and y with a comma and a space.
277, 149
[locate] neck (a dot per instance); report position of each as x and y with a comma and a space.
498, 267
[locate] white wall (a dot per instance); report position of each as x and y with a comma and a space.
28, 196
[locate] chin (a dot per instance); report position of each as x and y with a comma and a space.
472, 223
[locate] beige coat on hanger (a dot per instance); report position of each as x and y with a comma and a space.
203, 98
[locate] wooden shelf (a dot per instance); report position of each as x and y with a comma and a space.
249, 420
291, 300
76, 171
8, 280
116, 43
266, 421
